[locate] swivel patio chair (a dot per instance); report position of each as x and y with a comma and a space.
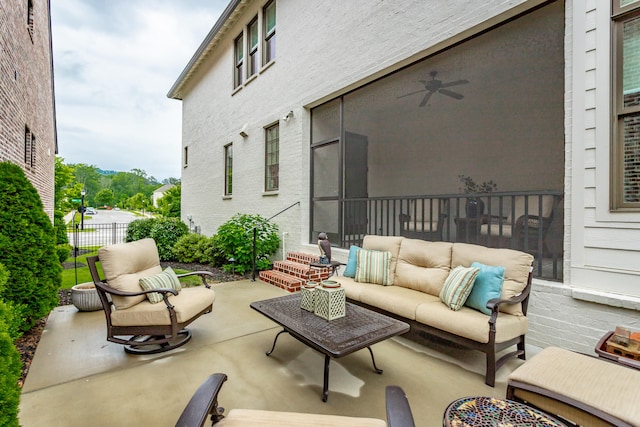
204, 404
150, 315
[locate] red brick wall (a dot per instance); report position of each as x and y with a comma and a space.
26, 93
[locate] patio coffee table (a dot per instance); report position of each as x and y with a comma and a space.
360, 328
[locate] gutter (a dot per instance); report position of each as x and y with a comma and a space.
209, 42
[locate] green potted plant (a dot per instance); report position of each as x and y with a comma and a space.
474, 205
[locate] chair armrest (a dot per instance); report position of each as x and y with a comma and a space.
203, 402
398, 409
203, 276
108, 289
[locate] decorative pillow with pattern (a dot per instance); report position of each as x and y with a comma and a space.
165, 280
458, 286
374, 267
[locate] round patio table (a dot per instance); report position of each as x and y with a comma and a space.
480, 411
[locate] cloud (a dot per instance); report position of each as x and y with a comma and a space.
114, 61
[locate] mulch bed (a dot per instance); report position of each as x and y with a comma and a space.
28, 343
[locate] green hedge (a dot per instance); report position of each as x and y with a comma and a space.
10, 364
27, 247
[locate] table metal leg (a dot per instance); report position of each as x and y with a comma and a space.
274, 342
325, 388
379, 371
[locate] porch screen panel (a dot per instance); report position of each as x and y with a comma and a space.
325, 122
325, 218
325, 171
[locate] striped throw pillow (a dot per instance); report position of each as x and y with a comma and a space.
373, 267
458, 286
165, 280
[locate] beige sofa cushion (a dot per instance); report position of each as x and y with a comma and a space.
123, 266
352, 289
397, 300
609, 387
516, 268
188, 303
384, 243
422, 265
256, 417
470, 323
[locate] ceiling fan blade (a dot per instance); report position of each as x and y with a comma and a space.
426, 99
411, 93
451, 93
455, 83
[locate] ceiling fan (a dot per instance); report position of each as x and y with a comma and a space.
432, 86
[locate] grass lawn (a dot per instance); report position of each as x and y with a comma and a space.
83, 275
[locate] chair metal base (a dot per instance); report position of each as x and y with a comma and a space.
152, 344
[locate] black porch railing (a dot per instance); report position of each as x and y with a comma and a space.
528, 221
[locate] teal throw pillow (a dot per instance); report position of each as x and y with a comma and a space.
352, 262
457, 286
373, 267
165, 280
488, 285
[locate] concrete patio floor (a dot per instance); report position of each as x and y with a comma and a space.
77, 378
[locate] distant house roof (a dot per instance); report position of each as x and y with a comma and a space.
163, 189
228, 17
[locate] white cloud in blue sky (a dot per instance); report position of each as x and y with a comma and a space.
114, 62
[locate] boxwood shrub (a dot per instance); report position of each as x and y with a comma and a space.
27, 247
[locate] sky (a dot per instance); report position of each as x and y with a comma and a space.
114, 63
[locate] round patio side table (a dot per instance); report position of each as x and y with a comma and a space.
481, 411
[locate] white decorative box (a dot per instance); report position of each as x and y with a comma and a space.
307, 297
330, 302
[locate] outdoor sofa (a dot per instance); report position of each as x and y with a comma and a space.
418, 282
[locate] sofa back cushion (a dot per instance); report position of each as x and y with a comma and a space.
384, 243
423, 266
516, 268
123, 266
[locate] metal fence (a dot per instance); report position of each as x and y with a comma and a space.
96, 235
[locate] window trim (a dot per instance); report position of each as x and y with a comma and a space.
619, 16
268, 165
228, 169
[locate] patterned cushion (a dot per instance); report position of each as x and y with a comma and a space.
488, 285
165, 280
352, 262
458, 286
374, 267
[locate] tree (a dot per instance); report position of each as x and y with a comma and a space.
27, 247
138, 201
64, 177
105, 197
169, 203
89, 178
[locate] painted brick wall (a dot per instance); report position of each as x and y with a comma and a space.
26, 93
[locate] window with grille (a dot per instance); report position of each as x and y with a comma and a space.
29, 148
272, 158
228, 169
626, 105
254, 37
269, 31
239, 61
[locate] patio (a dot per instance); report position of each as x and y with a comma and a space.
77, 378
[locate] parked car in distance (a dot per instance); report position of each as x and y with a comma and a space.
91, 211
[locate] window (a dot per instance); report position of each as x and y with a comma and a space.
186, 157
626, 105
239, 59
254, 59
29, 148
272, 158
269, 31
30, 18
228, 169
